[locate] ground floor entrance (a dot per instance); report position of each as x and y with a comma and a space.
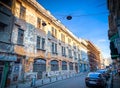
39, 66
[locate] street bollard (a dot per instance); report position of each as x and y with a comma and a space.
33, 81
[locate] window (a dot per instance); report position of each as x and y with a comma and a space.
79, 56
69, 40
71, 66
70, 53
75, 56
39, 23
62, 37
43, 43
20, 36
22, 12
38, 42
54, 32
54, 48
63, 51
64, 65
54, 65
5, 33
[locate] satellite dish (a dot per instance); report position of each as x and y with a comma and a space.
69, 17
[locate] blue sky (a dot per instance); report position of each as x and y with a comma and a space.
89, 19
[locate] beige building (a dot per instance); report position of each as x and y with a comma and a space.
43, 45
40, 44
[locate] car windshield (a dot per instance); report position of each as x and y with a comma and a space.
94, 75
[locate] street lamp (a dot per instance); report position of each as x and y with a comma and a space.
69, 17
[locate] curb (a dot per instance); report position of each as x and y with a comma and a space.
75, 75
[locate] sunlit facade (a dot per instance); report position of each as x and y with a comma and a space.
39, 44
94, 57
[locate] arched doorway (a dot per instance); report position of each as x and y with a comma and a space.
39, 66
64, 65
54, 65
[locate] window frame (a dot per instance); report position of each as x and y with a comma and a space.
39, 23
54, 48
19, 41
22, 14
43, 44
38, 43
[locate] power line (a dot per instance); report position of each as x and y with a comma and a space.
80, 15
91, 14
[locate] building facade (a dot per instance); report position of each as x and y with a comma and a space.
37, 44
94, 57
114, 29
84, 61
7, 55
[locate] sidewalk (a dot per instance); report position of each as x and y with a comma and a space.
45, 81
116, 81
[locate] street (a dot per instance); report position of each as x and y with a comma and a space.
75, 82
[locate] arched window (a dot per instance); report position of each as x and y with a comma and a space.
54, 65
71, 66
39, 66
64, 65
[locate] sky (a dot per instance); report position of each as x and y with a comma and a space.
89, 19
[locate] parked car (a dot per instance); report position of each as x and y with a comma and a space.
118, 71
95, 79
105, 73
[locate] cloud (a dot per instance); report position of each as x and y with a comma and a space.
101, 40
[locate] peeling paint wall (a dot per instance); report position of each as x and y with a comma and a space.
29, 48
6, 26
30, 38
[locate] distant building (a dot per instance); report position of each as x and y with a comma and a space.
84, 61
94, 56
107, 61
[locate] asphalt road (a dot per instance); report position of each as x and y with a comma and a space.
75, 82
